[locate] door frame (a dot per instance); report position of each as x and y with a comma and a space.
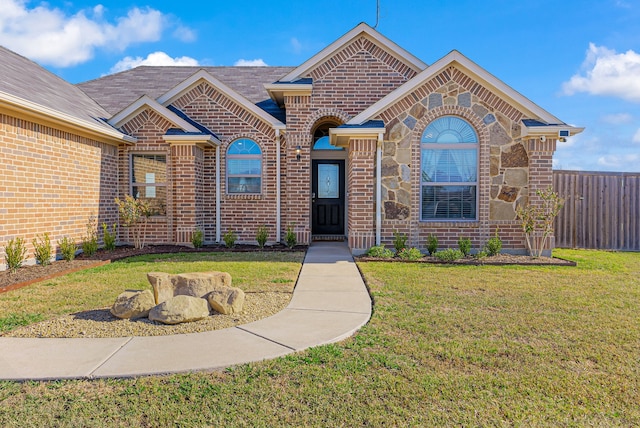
330, 155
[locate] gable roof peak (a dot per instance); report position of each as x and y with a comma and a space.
359, 30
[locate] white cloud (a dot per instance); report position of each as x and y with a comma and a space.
627, 162
184, 34
636, 136
250, 63
296, 45
617, 119
606, 72
155, 58
51, 37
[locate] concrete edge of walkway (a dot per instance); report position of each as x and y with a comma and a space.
330, 303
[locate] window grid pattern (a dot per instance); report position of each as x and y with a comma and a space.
244, 167
449, 170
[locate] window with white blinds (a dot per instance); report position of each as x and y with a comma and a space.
449, 170
244, 167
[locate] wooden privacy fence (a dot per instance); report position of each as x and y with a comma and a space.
601, 210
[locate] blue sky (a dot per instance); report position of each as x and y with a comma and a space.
580, 60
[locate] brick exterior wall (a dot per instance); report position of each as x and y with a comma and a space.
73, 177
358, 75
52, 181
510, 168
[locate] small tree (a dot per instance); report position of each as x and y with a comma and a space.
537, 220
134, 214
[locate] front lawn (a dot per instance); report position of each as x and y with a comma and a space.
446, 346
98, 287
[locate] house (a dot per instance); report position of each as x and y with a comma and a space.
359, 142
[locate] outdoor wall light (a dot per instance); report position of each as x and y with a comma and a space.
298, 151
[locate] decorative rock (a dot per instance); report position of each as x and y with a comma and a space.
518, 177
508, 194
499, 210
133, 304
515, 157
196, 284
180, 309
498, 136
395, 211
389, 167
226, 301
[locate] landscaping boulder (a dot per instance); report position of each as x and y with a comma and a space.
228, 300
133, 304
196, 284
180, 309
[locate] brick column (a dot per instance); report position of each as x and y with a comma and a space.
541, 172
361, 194
187, 165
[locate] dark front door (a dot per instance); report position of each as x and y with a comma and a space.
327, 197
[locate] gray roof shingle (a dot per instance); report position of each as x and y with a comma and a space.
23, 78
117, 91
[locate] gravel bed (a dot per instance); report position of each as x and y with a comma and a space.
99, 323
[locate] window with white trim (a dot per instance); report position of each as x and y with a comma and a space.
244, 167
149, 180
449, 170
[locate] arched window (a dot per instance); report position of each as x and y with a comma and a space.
449, 171
321, 137
244, 167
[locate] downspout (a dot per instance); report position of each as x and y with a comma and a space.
379, 189
218, 227
278, 184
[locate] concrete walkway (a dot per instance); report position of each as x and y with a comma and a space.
330, 303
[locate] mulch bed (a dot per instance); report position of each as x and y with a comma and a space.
497, 260
27, 275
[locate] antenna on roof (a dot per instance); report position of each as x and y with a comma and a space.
377, 14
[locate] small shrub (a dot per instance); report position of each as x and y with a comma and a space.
262, 235
90, 240
134, 214
290, 237
15, 252
449, 255
432, 244
410, 254
493, 245
67, 248
197, 238
42, 249
380, 251
109, 237
399, 241
464, 245
230, 238
482, 254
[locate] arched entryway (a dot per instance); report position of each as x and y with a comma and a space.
328, 184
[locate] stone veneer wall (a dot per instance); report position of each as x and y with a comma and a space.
52, 181
506, 167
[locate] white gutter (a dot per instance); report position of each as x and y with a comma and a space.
278, 184
379, 189
59, 118
218, 227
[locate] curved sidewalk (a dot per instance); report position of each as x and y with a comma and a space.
330, 303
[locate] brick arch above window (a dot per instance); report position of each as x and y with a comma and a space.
325, 114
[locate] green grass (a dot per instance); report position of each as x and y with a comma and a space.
98, 287
446, 346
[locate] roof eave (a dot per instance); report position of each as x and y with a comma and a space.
38, 111
202, 75
202, 140
340, 137
388, 45
480, 74
277, 91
